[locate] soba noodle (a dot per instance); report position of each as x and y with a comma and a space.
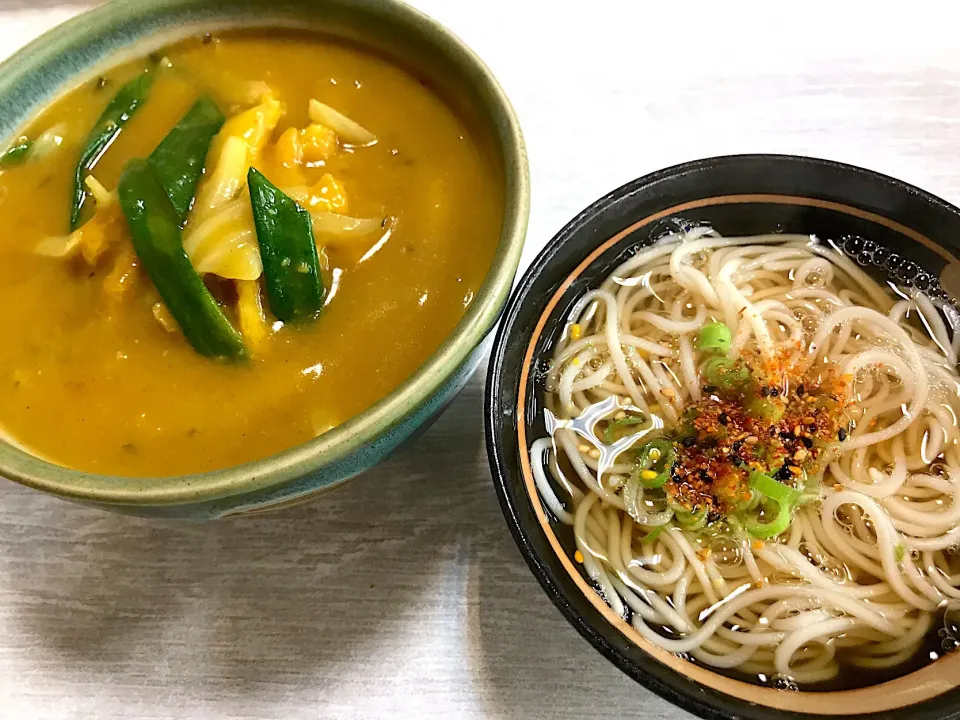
867, 553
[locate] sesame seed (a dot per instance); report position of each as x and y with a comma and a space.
800, 455
620, 415
794, 470
751, 439
842, 434
808, 419
667, 392
594, 453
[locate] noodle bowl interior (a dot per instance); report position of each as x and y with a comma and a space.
755, 444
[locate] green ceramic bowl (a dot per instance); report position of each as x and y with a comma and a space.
73, 51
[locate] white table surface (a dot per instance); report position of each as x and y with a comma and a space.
402, 595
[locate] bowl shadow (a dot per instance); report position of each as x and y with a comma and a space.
532, 663
247, 609
252, 605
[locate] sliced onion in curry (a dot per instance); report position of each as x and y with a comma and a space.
352, 132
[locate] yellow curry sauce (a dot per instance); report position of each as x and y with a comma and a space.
93, 381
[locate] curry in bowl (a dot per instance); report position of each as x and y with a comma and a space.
222, 250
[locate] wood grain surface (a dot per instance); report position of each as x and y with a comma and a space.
402, 594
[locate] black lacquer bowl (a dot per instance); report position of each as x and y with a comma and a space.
737, 195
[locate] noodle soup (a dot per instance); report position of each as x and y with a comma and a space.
755, 444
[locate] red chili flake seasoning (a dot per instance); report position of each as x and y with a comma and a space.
773, 421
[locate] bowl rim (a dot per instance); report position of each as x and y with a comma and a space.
654, 672
364, 429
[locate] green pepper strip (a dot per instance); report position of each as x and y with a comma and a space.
291, 267
16, 154
108, 126
622, 422
155, 230
178, 160
715, 337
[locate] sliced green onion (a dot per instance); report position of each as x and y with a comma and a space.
652, 535
749, 503
775, 527
691, 520
715, 337
674, 505
664, 456
764, 409
656, 457
632, 494
622, 422
774, 489
735, 525
724, 372
650, 479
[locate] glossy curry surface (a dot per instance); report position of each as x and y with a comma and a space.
95, 382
